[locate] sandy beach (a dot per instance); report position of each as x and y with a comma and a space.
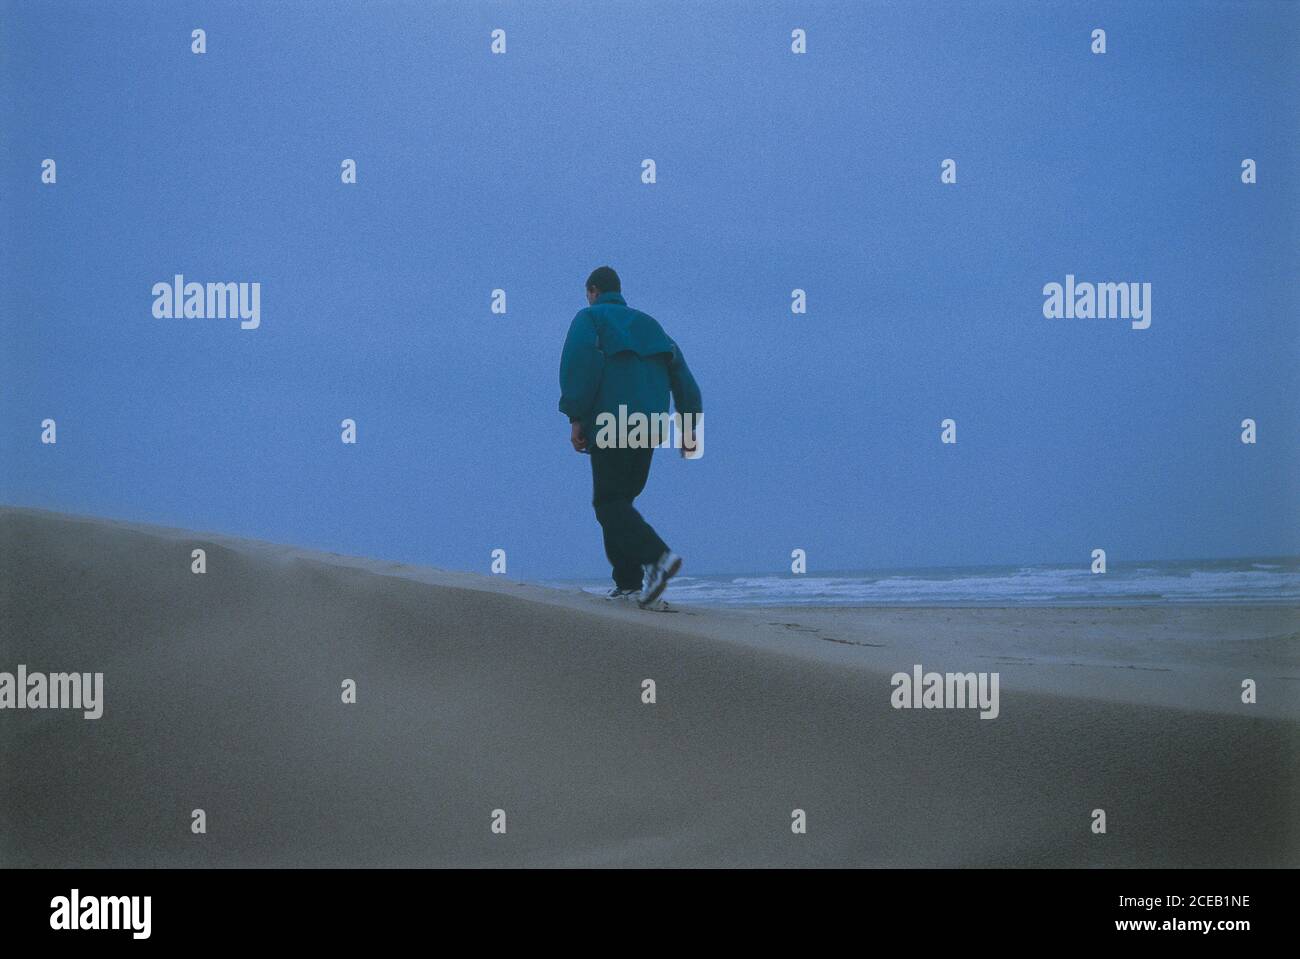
222, 692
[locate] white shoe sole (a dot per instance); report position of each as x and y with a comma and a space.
669, 573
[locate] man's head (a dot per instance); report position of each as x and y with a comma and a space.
603, 279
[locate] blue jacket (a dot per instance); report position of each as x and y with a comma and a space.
617, 355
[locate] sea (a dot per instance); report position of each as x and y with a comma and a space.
1265, 580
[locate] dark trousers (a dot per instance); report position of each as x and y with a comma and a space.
618, 476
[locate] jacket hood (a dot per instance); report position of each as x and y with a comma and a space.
625, 330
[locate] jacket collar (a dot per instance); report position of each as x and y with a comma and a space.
611, 298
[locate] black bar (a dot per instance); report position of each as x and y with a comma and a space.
922, 908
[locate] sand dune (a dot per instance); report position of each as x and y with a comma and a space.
222, 692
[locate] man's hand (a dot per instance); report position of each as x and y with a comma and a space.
576, 437
690, 442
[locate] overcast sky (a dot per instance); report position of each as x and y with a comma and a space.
775, 171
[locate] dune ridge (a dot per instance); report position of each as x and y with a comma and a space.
475, 694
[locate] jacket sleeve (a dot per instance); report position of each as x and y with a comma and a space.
686, 392
582, 365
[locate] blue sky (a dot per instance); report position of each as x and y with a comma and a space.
775, 171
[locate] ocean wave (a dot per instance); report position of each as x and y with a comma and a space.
1182, 582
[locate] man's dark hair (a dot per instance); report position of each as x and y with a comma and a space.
605, 280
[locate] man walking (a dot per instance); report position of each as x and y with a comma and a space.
618, 362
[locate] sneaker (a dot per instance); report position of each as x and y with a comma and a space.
617, 593
657, 575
